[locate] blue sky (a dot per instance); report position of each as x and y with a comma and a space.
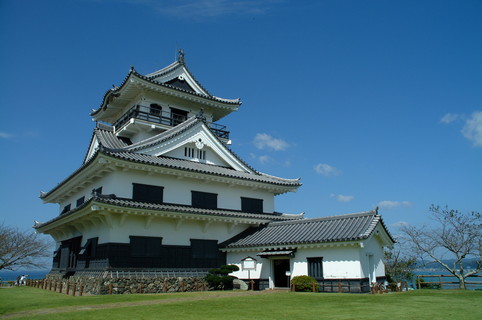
371, 103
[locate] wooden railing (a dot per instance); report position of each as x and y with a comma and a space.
440, 280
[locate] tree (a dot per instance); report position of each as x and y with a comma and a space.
455, 235
398, 266
220, 279
22, 249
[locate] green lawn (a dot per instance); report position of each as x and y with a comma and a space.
419, 304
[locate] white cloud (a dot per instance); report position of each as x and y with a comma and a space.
472, 129
264, 141
4, 135
263, 159
449, 118
196, 9
342, 198
326, 170
399, 224
388, 204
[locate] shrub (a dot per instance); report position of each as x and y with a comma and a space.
304, 283
219, 278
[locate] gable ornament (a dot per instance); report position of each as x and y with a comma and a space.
199, 144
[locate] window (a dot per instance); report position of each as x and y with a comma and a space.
192, 153
315, 267
155, 109
145, 246
189, 152
97, 191
204, 200
147, 193
201, 155
178, 116
204, 248
66, 209
80, 201
251, 205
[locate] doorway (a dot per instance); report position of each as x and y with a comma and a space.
280, 267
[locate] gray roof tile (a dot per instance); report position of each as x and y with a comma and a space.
348, 227
129, 203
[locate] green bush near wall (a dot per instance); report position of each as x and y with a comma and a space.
304, 283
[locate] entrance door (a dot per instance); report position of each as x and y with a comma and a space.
280, 266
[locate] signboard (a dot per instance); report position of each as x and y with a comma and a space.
249, 263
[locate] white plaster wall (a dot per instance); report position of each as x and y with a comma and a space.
373, 246
172, 232
86, 192
179, 190
263, 266
175, 190
338, 262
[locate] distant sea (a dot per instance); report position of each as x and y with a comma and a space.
455, 285
13, 275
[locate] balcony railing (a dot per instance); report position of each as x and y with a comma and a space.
166, 118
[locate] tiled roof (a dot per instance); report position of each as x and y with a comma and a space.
198, 167
348, 227
113, 146
129, 203
150, 77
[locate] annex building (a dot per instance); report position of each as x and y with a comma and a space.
160, 189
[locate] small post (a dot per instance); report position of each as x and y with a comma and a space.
204, 286
182, 285
74, 289
81, 290
60, 287
165, 285
252, 285
68, 287
440, 281
418, 282
313, 287
110, 288
140, 287
196, 285
339, 287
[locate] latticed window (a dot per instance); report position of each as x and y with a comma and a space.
315, 267
204, 200
252, 205
147, 193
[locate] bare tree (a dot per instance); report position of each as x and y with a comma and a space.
398, 265
22, 249
455, 235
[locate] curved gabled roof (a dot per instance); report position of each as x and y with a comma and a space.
173, 208
111, 146
348, 227
154, 79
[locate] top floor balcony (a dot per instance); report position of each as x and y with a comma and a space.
172, 118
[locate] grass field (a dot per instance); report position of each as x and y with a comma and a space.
33, 303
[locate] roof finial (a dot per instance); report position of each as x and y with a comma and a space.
180, 56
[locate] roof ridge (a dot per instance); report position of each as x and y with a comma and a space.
334, 217
165, 135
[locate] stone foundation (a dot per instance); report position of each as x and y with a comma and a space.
99, 285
